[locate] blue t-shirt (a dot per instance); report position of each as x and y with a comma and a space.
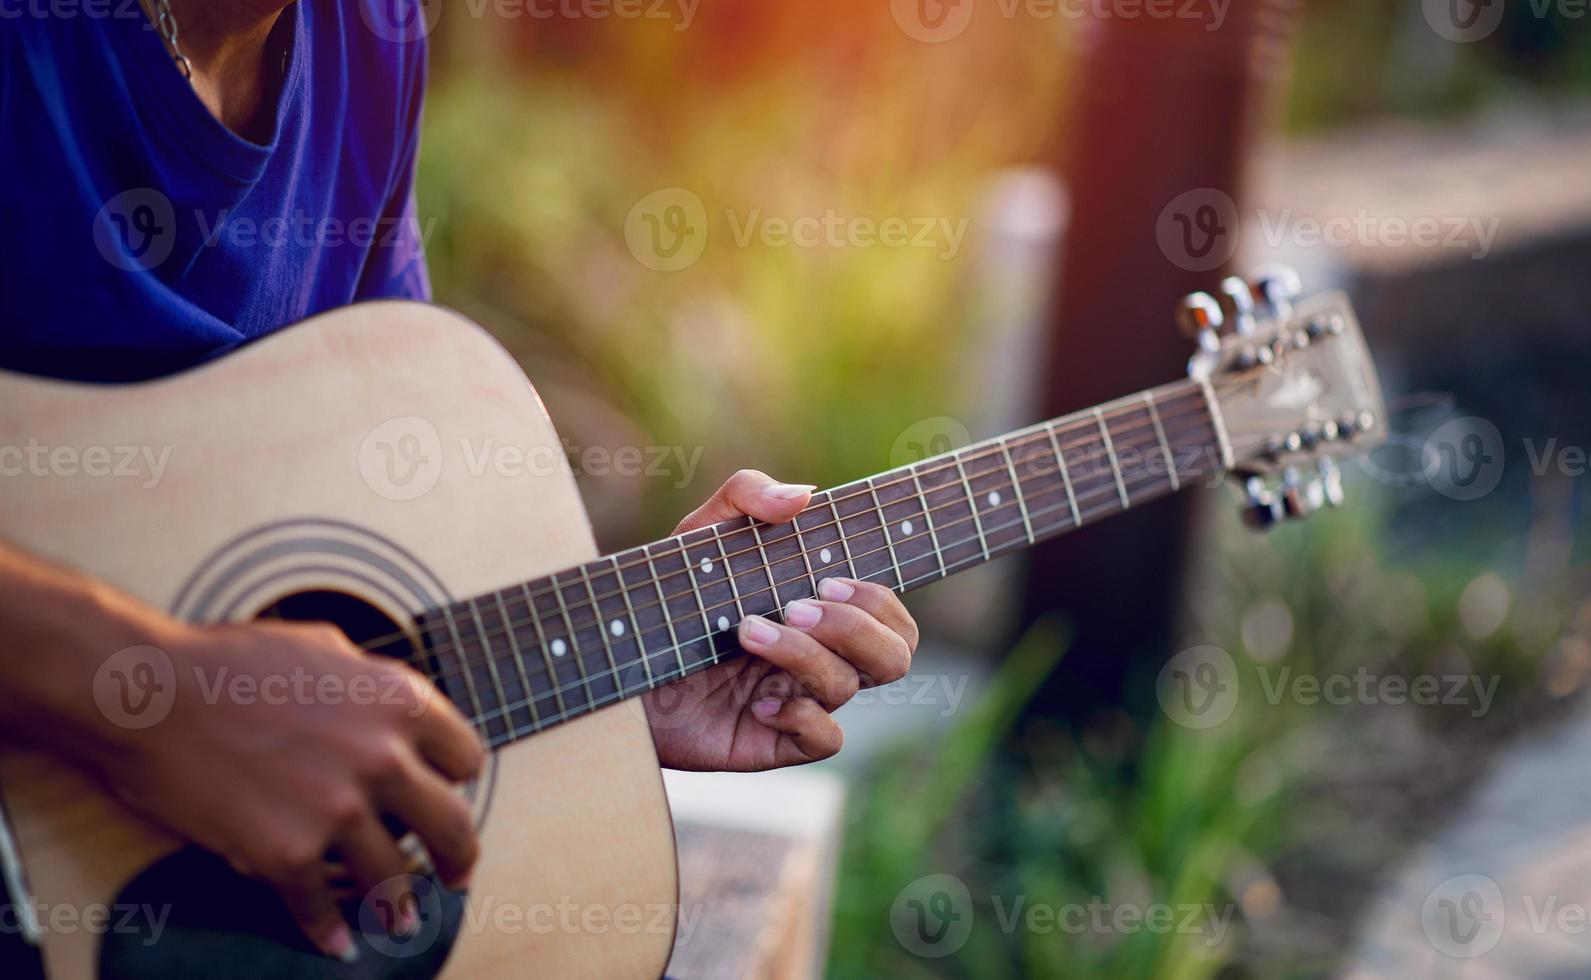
138, 235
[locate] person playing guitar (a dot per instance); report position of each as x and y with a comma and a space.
184, 179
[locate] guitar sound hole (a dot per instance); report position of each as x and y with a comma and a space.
191, 915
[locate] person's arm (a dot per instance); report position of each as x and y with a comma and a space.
272, 784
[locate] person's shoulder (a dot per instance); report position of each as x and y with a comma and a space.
384, 48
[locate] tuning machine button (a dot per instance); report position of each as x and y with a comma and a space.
1301, 497
1241, 299
1330, 481
1261, 508
1276, 286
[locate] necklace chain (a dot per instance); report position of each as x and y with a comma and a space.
166, 21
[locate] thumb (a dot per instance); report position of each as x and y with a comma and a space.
753, 494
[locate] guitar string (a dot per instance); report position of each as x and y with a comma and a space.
1105, 485
1034, 439
541, 668
622, 692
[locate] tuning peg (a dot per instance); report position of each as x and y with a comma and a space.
1276, 286
1241, 299
1200, 318
1331, 481
1301, 497
1261, 510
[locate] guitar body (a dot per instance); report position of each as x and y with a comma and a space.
350, 463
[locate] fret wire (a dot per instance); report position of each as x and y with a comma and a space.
967, 562
519, 657
1066, 477
635, 624
662, 604
972, 505
1160, 434
571, 642
600, 626
767, 566
839, 532
546, 654
1110, 451
729, 576
928, 519
1016, 488
486, 653
462, 656
889, 544
806, 558
883, 527
701, 602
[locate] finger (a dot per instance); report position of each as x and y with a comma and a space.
430, 806
879, 654
819, 670
444, 737
807, 732
880, 601
309, 899
750, 493
378, 866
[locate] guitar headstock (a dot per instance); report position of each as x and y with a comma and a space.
1294, 384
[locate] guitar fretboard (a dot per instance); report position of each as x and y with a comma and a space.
521, 659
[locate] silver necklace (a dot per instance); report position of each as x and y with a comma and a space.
166, 21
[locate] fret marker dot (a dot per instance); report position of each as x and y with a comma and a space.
559, 648
723, 622
616, 628
905, 527
994, 498
707, 566
825, 556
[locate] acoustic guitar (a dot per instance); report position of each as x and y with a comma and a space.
335, 471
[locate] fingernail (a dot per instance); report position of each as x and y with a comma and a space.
766, 708
788, 491
803, 613
759, 630
836, 589
340, 944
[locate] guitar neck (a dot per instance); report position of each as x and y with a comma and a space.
527, 657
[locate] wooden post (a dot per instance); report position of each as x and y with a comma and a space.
1166, 114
